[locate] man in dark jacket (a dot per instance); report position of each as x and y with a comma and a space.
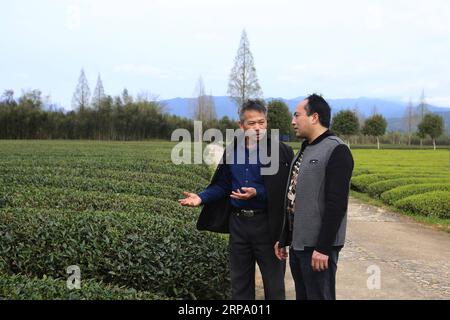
316, 203
242, 201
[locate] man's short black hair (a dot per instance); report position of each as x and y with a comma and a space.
252, 104
317, 104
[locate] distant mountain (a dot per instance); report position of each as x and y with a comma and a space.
399, 124
182, 107
393, 111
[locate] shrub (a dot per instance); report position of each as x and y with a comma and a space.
57, 198
149, 253
94, 163
361, 182
434, 203
401, 192
360, 171
377, 188
187, 181
20, 287
163, 191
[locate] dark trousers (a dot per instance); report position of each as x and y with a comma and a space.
309, 284
249, 243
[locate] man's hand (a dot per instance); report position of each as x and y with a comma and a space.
319, 261
246, 195
281, 253
191, 200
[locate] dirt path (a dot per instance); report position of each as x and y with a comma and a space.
413, 260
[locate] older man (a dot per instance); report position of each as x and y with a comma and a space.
249, 205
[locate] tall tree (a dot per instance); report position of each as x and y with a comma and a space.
203, 105
361, 117
374, 110
126, 97
345, 123
375, 126
410, 120
279, 117
81, 96
8, 97
99, 93
432, 125
422, 110
422, 107
243, 83
211, 109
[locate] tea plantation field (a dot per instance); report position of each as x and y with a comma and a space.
413, 181
111, 209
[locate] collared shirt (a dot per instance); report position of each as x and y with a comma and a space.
292, 190
236, 176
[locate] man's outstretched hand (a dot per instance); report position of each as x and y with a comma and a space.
191, 200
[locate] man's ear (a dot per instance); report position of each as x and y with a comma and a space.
316, 118
241, 124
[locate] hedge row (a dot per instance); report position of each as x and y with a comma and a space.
69, 199
44, 148
149, 253
401, 192
20, 287
435, 203
377, 188
146, 165
362, 182
163, 191
187, 182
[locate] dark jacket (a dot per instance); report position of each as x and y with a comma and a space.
214, 216
323, 186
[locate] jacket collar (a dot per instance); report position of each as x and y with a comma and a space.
327, 133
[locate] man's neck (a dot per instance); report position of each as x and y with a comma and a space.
317, 134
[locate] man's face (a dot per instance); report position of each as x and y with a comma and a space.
254, 120
301, 122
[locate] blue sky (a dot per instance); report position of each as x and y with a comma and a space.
342, 49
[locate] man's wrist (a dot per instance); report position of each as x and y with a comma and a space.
323, 250
202, 197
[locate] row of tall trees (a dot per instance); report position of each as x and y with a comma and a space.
346, 124
243, 85
100, 116
124, 117
110, 118
96, 115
